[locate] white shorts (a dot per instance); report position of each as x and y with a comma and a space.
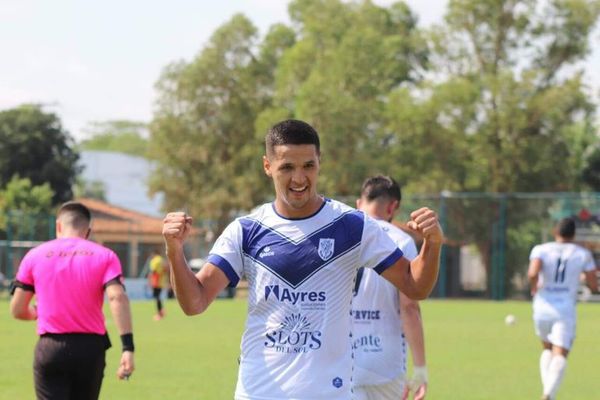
559, 332
387, 391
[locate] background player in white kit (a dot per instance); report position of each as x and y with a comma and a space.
300, 255
384, 318
554, 272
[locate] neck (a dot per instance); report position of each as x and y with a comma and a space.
70, 233
377, 211
309, 208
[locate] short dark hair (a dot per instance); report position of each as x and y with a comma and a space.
74, 214
381, 187
566, 228
291, 131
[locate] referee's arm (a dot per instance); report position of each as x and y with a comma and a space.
121, 312
119, 307
19, 305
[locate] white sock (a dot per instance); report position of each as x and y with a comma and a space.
545, 359
556, 370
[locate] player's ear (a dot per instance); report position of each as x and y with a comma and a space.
58, 227
87, 234
358, 202
267, 166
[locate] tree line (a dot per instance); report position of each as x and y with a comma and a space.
493, 99
490, 100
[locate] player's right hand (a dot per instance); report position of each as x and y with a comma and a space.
176, 227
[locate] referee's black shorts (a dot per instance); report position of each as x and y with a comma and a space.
69, 366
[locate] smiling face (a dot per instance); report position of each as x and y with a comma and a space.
294, 169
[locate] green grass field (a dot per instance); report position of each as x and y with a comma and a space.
471, 353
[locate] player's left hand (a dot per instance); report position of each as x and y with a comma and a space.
425, 221
417, 385
126, 365
419, 392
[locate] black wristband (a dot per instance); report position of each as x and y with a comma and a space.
127, 342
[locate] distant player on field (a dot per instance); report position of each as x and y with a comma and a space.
554, 272
69, 277
300, 255
157, 279
384, 318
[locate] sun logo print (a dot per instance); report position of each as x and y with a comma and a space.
295, 323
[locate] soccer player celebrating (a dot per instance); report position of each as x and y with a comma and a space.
385, 319
69, 276
554, 272
300, 255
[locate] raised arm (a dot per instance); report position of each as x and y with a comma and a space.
416, 278
194, 292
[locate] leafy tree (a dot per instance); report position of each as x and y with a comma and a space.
24, 208
333, 69
491, 100
505, 108
34, 145
202, 135
338, 75
120, 135
591, 167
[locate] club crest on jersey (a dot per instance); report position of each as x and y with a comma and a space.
326, 248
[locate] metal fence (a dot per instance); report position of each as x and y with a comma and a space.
488, 237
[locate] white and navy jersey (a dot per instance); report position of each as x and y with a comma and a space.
378, 339
300, 274
562, 265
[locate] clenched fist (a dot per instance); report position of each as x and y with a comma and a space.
176, 227
425, 221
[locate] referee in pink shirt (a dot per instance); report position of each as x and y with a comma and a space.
68, 277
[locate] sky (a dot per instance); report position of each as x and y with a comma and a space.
99, 60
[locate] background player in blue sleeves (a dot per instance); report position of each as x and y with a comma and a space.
300, 255
385, 320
